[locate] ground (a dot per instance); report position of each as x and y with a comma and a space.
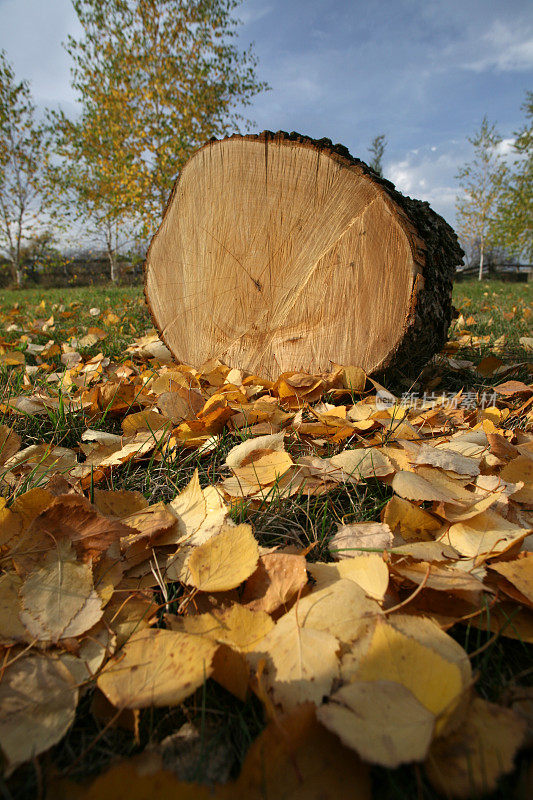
489, 345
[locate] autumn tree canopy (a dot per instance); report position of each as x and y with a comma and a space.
155, 79
514, 215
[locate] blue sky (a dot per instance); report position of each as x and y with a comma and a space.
424, 72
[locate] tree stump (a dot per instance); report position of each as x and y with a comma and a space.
278, 252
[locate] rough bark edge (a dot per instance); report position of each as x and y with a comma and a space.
434, 244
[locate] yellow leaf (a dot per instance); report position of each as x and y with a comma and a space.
370, 572
224, 561
340, 608
469, 762
362, 463
59, 601
518, 572
413, 523
393, 656
243, 451
302, 662
236, 626
200, 512
520, 469
380, 720
157, 668
263, 469
483, 534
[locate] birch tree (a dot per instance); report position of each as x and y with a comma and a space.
22, 167
155, 79
481, 181
514, 215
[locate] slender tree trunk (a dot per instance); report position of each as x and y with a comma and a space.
113, 271
481, 248
16, 273
111, 254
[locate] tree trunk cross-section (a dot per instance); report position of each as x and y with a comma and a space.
278, 252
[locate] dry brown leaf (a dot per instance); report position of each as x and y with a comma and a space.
277, 580
73, 519
225, 561
446, 459
38, 701
440, 578
157, 668
10, 443
469, 762
11, 628
243, 451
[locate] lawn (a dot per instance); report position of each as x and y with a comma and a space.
66, 352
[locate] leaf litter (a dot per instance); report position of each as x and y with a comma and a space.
145, 602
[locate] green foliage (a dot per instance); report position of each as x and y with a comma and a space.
155, 79
376, 150
513, 223
23, 159
482, 181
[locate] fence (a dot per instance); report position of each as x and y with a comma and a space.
73, 272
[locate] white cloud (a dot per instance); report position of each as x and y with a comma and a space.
505, 147
430, 177
503, 48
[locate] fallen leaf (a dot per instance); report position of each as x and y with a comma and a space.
276, 581
157, 668
359, 537
519, 572
369, 571
236, 626
38, 701
225, 561
381, 720
436, 682
361, 464
469, 762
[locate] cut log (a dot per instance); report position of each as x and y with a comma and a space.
278, 252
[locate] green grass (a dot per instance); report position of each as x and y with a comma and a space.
299, 520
